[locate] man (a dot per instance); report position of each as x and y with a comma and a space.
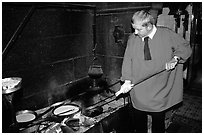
149, 50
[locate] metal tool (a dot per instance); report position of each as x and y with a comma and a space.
146, 78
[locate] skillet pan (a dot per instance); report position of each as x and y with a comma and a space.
25, 116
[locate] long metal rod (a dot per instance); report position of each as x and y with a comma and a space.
101, 101
149, 76
94, 32
65, 5
116, 10
19, 29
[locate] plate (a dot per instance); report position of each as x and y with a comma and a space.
65, 110
25, 116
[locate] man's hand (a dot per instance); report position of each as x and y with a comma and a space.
172, 64
126, 87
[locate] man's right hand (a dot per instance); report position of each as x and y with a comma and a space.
126, 87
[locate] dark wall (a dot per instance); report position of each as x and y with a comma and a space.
53, 49
48, 29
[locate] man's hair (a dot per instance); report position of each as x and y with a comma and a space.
144, 17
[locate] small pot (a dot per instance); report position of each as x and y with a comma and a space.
11, 84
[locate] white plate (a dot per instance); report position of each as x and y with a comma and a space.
25, 117
70, 108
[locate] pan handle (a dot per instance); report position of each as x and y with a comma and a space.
49, 109
45, 112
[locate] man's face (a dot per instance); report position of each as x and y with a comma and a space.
140, 30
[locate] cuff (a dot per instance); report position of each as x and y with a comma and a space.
128, 81
177, 58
